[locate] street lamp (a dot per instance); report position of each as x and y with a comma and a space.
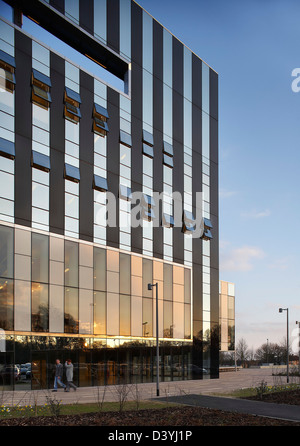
150, 287
287, 341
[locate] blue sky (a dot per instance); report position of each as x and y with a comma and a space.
254, 46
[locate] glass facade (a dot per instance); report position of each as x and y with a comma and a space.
120, 105
227, 316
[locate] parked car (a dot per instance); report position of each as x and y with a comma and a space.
192, 368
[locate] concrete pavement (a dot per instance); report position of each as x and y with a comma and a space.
198, 392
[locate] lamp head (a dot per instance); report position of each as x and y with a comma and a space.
149, 286
280, 310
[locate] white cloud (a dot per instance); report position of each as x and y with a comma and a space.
223, 193
281, 264
254, 214
240, 259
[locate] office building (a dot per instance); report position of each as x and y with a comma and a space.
108, 183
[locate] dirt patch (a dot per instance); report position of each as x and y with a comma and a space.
286, 397
175, 416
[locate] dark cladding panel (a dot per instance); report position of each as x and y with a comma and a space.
57, 145
113, 24
86, 156
158, 129
23, 130
177, 66
178, 177
58, 4
113, 161
213, 94
136, 116
197, 81
86, 15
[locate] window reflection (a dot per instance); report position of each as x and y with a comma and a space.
39, 307
6, 304
125, 273
147, 317
71, 310
71, 264
125, 302
40, 256
99, 312
168, 320
6, 252
99, 269
147, 277
168, 282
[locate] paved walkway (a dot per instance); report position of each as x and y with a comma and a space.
198, 392
258, 408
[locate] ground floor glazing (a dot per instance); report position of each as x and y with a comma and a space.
28, 362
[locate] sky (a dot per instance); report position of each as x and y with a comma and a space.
253, 45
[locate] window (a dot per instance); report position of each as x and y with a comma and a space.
148, 138
168, 221
40, 161
40, 94
72, 102
147, 150
7, 71
125, 138
168, 160
100, 183
100, 116
168, 148
207, 227
7, 148
125, 193
168, 154
147, 208
188, 221
72, 173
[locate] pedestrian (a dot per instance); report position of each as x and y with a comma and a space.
69, 375
58, 376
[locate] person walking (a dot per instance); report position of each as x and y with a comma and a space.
69, 375
58, 376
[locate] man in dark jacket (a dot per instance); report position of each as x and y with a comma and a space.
58, 376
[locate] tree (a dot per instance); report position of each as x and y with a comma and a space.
272, 353
242, 351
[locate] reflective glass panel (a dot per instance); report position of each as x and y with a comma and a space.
6, 304
40, 256
71, 310
168, 282
71, 264
125, 273
168, 320
99, 312
39, 307
147, 317
6, 252
147, 277
125, 302
99, 269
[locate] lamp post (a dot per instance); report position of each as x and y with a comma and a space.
298, 322
150, 287
287, 341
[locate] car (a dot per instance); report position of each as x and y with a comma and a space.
196, 370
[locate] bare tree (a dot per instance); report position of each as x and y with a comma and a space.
242, 351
